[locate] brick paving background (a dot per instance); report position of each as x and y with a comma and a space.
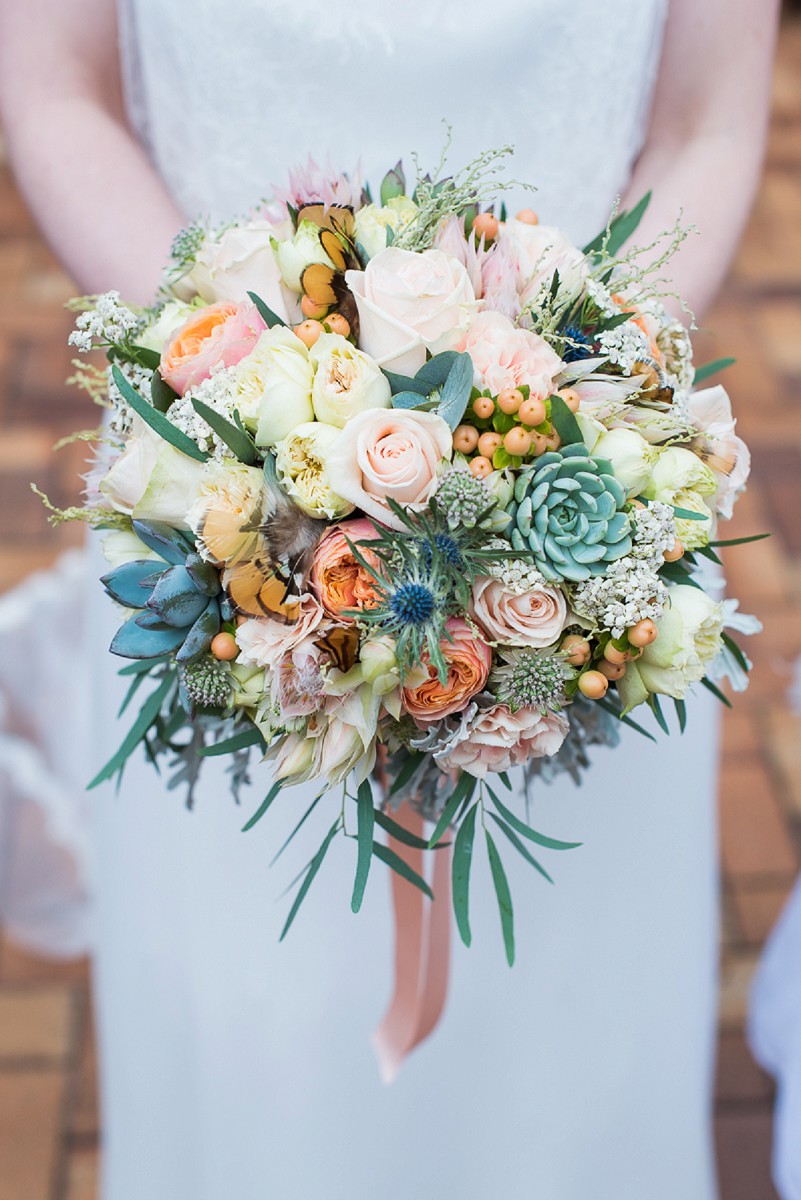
49, 1132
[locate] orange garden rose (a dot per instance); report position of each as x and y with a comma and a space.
339, 581
218, 336
468, 660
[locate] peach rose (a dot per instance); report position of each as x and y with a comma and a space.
533, 618
263, 643
337, 578
409, 303
468, 660
506, 356
497, 739
218, 336
386, 454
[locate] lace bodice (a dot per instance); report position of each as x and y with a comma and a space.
228, 96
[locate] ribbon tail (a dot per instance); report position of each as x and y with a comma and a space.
422, 950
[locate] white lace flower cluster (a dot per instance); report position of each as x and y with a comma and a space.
517, 574
121, 420
110, 321
631, 589
625, 345
219, 393
674, 342
601, 298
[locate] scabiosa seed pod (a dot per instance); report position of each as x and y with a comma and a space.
462, 497
207, 683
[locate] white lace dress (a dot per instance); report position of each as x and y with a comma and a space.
235, 1067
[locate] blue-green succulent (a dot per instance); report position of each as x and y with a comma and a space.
568, 509
180, 605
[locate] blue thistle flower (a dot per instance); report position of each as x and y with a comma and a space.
578, 344
446, 546
412, 603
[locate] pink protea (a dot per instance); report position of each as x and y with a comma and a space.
312, 184
499, 281
450, 238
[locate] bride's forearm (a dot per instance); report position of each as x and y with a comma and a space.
703, 152
97, 198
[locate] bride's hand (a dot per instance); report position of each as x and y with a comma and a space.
89, 183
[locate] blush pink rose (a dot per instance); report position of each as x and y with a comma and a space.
497, 739
409, 303
506, 356
386, 454
220, 335
468, 660
533, 618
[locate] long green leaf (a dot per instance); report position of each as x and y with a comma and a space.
406, 773
624, 718
620, 229
462, 858
504, 898
239, 741
530, 834
156, 420
143, 666
396, 863
136, 682
521, 849
739, 655
681, 713
741, 541
656, 709
403, 835
564, 422
239, 443
265, 804
712, 368
464, 787
711, 687
265, 312
366, 823
314, 867
688, 515
147, 715
299, 826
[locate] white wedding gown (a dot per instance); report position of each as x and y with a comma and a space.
233, 1066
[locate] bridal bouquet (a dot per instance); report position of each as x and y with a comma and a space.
407, 487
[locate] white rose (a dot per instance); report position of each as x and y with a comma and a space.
689, 638
239, 261
274, 385
173, 315
151, 480
631, 457
725, 453
346, 381
409, 303
680, 478
123, 546
301, 459
372, 222
299, 252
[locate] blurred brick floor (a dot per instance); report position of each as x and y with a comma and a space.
48, 1114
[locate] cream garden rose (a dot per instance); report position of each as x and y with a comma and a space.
346, 381
679, 477
688, 639
239, 260
301, 459
373, 221
395, 454
299, 252
631, 456
274, 386
151, 480
410, 303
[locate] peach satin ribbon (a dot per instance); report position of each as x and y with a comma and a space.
422, 953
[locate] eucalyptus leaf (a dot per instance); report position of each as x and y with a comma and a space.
530, 834
264, 806
314, 867
518, 845
465, 786
366, 824
147, 715
712, 368
238, 741
462, 859
270, 318
162, 395
239, 443
564, 422
504, 896
715, 690
402, 868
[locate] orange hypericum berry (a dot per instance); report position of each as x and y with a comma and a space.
538, 444
570, 397
465, 439
643, 633
509, 400
338, 324
517, 441
675, 552
528, 216
488, 443
532, 411
576, 649
310, 308
612, 670
484, 407
613, 655
553, 440
224, 647
309, 331
480, 466
488, 225
593, 685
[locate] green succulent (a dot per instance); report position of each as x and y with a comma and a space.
568, 510
180, 605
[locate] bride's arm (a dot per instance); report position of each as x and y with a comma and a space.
93, 191
706, 136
